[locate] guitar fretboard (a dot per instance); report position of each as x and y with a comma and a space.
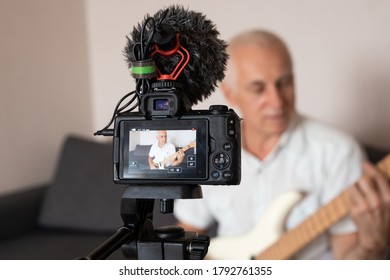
294, 240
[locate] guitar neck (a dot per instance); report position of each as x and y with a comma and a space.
174, 155
297, 238
294, 240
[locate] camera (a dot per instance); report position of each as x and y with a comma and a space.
208, 142
166, 150
166, 142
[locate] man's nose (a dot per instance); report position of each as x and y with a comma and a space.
275, 98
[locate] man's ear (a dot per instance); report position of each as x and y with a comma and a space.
227, 91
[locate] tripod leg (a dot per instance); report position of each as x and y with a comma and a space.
113, 243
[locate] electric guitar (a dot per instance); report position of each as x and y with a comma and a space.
161, 164
268, 237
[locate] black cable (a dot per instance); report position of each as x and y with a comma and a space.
128, 104
141, 52
149, 41
117, 111
131, 109
142, 36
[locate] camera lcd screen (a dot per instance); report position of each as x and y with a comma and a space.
163, 149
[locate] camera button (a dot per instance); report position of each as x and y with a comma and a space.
215, 174
231, 121
227, 146
212, 145
231, 127
218, 109
227, 175
221, 161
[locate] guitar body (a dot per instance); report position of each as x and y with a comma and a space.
161, 164
265, 233
268, 241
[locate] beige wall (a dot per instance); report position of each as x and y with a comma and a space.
62, 68
44, 86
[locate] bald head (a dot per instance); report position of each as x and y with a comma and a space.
260, 83
161, 136
258, 38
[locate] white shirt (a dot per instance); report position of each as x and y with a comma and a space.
160, 153
309, 157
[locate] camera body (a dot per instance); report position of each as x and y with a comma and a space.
166, 150
200, 146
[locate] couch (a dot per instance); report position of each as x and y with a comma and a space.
71, 216
77, 211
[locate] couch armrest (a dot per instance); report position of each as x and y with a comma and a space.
19, 211
375, 154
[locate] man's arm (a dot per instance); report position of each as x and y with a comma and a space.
370, 210
187, 227
152, 165
179, 158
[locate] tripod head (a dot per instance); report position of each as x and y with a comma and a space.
164, 243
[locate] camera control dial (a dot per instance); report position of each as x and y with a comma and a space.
221, 161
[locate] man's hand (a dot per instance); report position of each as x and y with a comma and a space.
370, 209
179, 158
152, 164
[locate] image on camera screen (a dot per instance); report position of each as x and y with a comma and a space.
170, 150
177, 153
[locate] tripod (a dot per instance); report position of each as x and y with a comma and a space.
138, 237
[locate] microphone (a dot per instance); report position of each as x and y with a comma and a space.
178, 29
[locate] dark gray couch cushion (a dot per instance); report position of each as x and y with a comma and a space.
375, 154
53, 245
83, 195
142, 150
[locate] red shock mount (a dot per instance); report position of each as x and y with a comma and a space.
178, 49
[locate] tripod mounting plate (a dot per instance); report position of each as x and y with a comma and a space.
163, 192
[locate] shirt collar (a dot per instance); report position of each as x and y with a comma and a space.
286, 136
283, 142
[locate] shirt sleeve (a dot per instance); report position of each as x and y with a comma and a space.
193, 212
172, 149
152, 151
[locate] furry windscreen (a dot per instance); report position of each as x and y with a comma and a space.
200, 37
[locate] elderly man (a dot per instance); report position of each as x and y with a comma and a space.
283, 151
